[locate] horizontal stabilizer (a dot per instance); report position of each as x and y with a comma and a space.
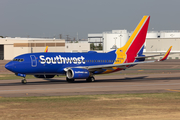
165, 55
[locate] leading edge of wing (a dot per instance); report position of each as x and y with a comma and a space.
133, 63
116, 65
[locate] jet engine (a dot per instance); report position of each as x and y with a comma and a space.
44, 76
77, 73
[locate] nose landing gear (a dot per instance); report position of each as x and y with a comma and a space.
23, 81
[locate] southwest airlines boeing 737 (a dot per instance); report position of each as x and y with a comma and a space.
84, 65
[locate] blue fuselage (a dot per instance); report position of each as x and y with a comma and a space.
55, 63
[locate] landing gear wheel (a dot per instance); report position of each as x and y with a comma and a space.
23, 81
90, 79
69, 80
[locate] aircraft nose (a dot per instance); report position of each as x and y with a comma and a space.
9, 66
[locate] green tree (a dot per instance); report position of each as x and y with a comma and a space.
100, 46
92, 46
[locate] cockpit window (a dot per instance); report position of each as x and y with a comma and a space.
19, 60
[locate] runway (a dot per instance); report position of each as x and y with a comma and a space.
104, 84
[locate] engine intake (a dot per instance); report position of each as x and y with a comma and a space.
77, 73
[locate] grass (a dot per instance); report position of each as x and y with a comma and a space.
161, 106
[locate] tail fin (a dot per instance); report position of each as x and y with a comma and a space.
141, 51
46, 50
135, 43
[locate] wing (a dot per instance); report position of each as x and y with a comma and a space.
110, 66
123, 65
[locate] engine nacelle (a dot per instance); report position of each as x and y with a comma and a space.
44, 76
77, 73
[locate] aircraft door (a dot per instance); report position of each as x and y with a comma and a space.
33, 61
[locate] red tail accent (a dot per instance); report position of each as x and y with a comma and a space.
138, 42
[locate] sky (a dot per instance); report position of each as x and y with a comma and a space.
49, 18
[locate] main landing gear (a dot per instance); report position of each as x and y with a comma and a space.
90, 79
69, 80
23, 81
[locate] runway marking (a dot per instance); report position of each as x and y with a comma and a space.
173, 90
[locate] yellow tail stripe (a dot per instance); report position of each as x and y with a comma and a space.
121, 52
135, 32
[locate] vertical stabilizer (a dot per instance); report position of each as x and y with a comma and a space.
134, 45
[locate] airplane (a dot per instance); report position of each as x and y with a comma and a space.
84, 65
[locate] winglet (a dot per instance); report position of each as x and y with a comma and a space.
166, 55
46, 50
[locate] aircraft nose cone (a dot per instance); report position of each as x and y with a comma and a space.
9, 66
